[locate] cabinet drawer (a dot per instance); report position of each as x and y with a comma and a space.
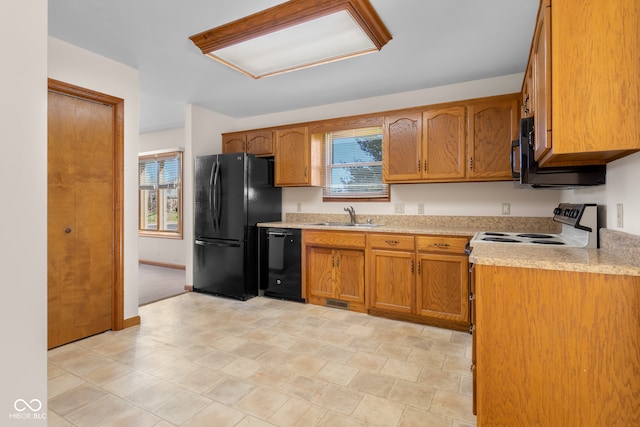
391, 241
441, 244
342, 239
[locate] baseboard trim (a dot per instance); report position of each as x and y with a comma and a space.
188, 288
132, 321
162, 264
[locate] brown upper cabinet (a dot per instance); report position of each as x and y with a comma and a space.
443, 143
492, 126
462, 141
297, 158
583, 66
258, 142
401, 147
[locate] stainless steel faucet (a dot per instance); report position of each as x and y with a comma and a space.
352, 214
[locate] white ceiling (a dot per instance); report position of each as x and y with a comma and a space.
435, 43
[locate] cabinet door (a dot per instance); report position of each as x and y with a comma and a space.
401, 145
528, 96
492, 127
542, 82
234, 142
349, 275
392, 274
443, 287
260, 143
444, 144
319, 269
292, 157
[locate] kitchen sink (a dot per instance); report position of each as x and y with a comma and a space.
346, 224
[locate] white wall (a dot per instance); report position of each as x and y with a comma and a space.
483, 199
23, 130
623, 179
168, 251
203, 135
82, 68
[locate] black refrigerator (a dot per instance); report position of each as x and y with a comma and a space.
233, 192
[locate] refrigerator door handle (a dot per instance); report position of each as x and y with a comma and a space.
219, 244
212, 200
217, 195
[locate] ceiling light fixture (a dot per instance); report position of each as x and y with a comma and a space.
295, 34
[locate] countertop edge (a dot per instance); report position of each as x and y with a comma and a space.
464, 231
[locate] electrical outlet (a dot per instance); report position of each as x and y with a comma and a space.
619, 215
506, 209
398, 208
298, 207
420, 208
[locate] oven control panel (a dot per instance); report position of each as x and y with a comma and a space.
579, 215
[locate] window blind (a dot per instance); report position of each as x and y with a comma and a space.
353, 164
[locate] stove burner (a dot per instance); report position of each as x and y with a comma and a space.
547, 242
490, 233
500, 239
535, 236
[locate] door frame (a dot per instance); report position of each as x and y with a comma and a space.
117, 104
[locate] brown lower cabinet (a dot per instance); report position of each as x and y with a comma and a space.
556, 348
333, 268
421, 279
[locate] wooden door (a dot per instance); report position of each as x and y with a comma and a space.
84, 218
350, 275
401, 147
443, 287
393, 280
444, 142
319, 268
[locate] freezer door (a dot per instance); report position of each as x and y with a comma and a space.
219, 269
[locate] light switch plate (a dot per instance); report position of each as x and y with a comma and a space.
398, 208
421, 208
506, 209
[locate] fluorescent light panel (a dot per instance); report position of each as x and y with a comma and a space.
295, 34
325, 39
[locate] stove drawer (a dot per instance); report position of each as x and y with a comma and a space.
448, 244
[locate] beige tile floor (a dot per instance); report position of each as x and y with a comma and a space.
199, 360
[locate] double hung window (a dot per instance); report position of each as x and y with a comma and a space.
353, 165
160, 194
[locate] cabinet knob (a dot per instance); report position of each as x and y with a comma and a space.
67, 230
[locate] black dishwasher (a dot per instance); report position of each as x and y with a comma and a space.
284, 276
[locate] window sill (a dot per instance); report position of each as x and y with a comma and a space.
160, 234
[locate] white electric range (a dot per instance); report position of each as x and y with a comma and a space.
579, 230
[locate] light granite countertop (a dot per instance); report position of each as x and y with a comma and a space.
419, 224
619, 252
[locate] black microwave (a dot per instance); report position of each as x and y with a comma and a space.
528, 174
